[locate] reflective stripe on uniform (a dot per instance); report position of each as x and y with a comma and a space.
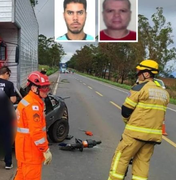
23, 130
119, 176
151, 106
26, 130
130, 102
138, 178
144, 130
157, 83
24, 102
44, 128
40, 141
116, 161
114, 168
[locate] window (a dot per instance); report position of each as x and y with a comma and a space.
48, 105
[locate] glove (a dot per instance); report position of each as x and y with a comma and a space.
48, 157
125, 120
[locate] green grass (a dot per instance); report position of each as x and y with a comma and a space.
173, 101
124, 86
107, 81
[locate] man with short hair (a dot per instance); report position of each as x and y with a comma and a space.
75, 17
7, 114
117, 16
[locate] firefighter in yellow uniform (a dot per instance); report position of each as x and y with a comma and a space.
143, 112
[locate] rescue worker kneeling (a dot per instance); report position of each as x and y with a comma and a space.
143, 112
31, 143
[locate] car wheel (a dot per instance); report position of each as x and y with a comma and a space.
59, 130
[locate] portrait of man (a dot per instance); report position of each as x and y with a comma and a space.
117, 16
75, 16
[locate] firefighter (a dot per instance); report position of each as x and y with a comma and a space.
143, 112
31, 143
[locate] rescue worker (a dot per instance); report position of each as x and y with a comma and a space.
31, 143
143, 112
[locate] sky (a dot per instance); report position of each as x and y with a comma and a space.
45, 16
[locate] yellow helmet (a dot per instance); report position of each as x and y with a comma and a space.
149, 65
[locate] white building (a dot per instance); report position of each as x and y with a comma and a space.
19, 28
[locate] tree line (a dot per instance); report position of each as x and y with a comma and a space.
49, 51
119, 60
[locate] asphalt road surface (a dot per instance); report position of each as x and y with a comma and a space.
95, 106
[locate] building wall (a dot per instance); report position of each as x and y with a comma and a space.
28, 38
6, 10
20, 28
9, 35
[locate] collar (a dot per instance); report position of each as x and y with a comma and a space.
36, 97
144, 81
72, 39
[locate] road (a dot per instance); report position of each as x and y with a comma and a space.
95, 106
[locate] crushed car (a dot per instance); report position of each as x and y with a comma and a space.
57, 120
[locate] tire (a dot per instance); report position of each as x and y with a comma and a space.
59, 131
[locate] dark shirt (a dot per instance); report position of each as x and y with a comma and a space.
7, 90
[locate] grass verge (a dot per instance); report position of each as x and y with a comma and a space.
124, 86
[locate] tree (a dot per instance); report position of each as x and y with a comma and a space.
42, 49
72, 62
84, 59
157, 39
50, 52
120, 59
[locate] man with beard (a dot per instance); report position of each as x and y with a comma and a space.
117, 16
75, 16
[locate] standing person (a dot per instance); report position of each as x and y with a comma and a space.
75, 17
31, 142
7, 97
143, 112
117, 16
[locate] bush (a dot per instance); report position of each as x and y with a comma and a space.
51, 71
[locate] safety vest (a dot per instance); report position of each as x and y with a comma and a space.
149, 103
31, 139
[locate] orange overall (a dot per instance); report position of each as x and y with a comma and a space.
31, 139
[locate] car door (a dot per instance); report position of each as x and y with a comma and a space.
49, 112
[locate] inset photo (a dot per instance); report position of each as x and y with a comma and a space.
74, 20
118, 21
